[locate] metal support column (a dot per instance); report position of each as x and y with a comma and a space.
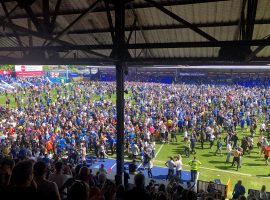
119, 45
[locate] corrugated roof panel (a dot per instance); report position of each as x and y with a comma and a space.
192, 52
261, 31
263, 10
265, 52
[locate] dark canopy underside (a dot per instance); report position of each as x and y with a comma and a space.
190, 32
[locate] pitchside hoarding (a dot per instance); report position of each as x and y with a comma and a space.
5, 72
29, 70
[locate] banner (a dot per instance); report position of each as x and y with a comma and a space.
5, 72
29, 70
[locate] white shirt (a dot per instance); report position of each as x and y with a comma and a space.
262, 126
178, 165
228, 148
263, 196
170, 164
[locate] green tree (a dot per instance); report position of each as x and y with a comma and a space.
7, 67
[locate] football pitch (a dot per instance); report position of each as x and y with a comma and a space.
254, 173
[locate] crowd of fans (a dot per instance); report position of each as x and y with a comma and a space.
60, 124
56, 180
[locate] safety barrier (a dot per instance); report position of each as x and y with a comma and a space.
221, 189
256, 193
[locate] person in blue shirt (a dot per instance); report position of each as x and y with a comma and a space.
180, 125
238, 190
62, 143
248, 121
242, 123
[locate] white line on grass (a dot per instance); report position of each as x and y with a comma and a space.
159, 150
219, 170
113, 166
139, 166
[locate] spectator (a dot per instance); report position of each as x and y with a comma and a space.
191, 195
263, 194
22, 185
242, 197
126, 178
102, 178
251, 195
120, 189
161, 194
58, 177
71, 180
238, 190
6, 167
102, 169
47, 189
78, 191
178, 194
138, 192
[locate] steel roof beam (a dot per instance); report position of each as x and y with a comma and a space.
10, 21
128, 6
180, 45
181, 20
257, 50
251, 16
109, 18
63, 32
135, 62
46, 37
153, 27
56, 11
27, 7
46, 13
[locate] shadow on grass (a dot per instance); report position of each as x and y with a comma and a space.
217, 161
228, 167
174, 144
249, 156
208, 155
263, 176
253, 164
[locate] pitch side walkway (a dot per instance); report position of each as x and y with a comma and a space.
159, 173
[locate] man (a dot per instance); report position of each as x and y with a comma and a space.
238, 190
219, 147
236, 158
170, 164
6, 168
48, 189
138, 192
266, 150
194, 168
21, 183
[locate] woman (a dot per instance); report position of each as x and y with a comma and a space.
178, 166
263, 195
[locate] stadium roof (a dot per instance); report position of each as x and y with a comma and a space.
182, 32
